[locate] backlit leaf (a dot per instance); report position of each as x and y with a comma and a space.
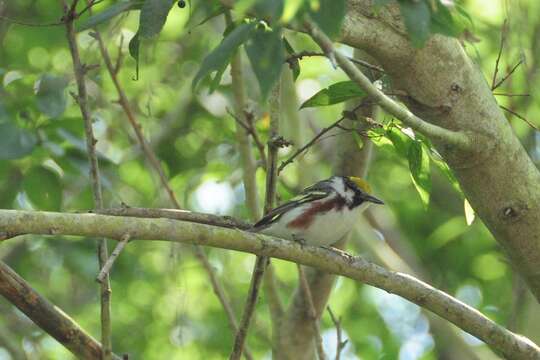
334, 94
420, 170
266, 54
43, 188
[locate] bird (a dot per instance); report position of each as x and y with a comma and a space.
322, 214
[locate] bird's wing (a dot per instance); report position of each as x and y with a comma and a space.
312, 193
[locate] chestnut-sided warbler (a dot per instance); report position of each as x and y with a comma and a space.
322, 214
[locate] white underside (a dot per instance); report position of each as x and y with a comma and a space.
326, 229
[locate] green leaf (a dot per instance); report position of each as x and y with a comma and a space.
43, 188
265, 52
134, 46
417, 18
108, 14
221, 55
442, 22
153, 16
334, 94
290, 9
420, 170
51, 95
15, 142
329, 16
401, 141
294, 64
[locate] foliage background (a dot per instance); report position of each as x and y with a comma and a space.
163, 306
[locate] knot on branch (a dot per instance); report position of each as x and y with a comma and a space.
279, 142
513, 212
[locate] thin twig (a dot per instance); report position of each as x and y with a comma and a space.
340, 343
311, 311
248, 127
507, 75
501, 46
82, 100
511, 95
436, 133
106, 269
310, 143
176, 214
300, 55
520, 117
154, 162
262, 261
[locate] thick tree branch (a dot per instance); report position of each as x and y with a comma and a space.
447, 89
47, 316
435, 132
332, 261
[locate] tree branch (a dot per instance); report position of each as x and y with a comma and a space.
332, 261
154, 162
82, 99
262, 261
436, 133
48, 316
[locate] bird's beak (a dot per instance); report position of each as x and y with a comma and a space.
373, 199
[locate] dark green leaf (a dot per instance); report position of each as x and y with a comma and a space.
108, 14
221, 55
420, 170
134, 45
334, 94
51, 95
417, 18
153, 16
442, 22
293, 64
329, 16
15, 142
43, 188
269, 10
265, 52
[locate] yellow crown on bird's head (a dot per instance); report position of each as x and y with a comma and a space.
361, 183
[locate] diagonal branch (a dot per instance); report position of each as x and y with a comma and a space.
511, 345
47, 316
154, 162
434, 132
82, 99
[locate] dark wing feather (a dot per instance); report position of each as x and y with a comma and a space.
314, 192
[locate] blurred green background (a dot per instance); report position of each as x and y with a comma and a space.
162, 304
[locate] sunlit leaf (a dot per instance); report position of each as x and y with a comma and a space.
221, 55
15, 142
329, 16
290, 9
266, 54
108, 14
51, 95
43, 188
401, 141
11, 76
420, 170
469, 212
153, 17
334, 94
